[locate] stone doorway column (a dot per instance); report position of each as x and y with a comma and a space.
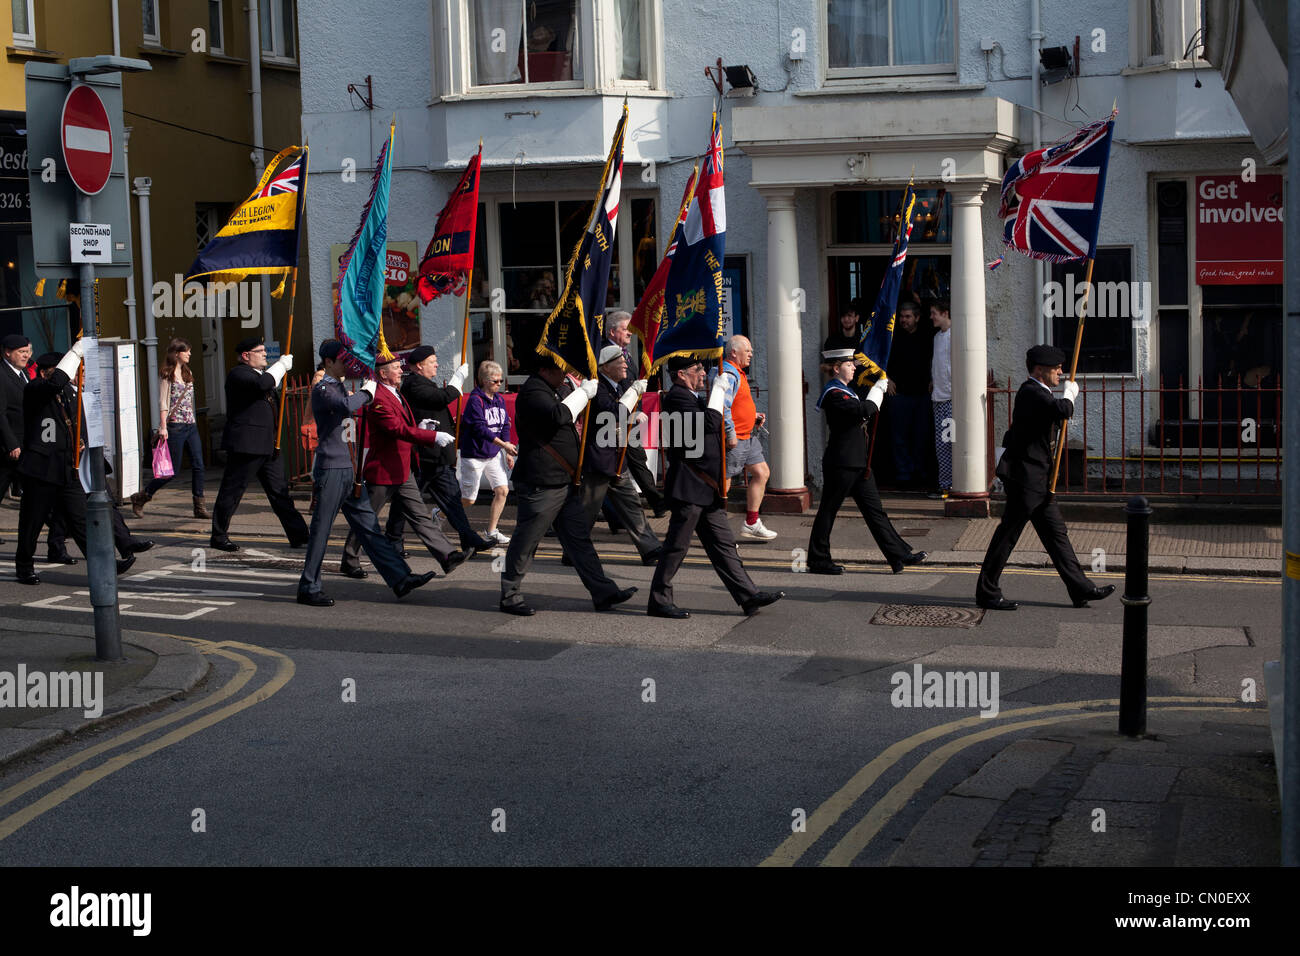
786, 492
970, 485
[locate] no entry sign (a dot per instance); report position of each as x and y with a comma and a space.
87, 140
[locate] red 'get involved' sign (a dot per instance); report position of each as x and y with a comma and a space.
1239, 233
87, 140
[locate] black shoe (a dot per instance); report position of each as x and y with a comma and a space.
1096, 594
63, 558
315, 600
137, 546
456, 559
916, 557
124, 565
520, 610
566, 560
411, 582
300, 543
604, 604
667, 610
28, 577
998, 604
356, 573
478, 544
224, 545
653, 557
761, 599
829, 568
661, 509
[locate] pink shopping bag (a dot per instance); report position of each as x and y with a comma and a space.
162, 461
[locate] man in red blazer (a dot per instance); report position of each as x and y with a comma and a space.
392, 431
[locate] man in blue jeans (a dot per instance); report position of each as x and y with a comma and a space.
332, 406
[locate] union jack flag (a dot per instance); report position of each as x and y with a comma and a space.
285, 181
1051, 198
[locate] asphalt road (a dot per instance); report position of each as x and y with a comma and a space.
478, 738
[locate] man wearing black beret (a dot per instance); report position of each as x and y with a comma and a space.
249, 443
13, 379
1024, 469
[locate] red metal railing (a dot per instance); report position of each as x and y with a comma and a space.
298, 437
1128, 437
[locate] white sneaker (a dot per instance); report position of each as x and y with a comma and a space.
498, 537
757, 530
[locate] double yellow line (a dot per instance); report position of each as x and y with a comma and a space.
792, 850
246, 670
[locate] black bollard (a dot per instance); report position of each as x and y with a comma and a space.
1133, 661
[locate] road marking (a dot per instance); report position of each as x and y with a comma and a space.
865, 830
829, 813
284, 671
50, 603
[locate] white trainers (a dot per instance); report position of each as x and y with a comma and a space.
757, 530
498, 537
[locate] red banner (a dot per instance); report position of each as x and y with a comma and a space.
1239, 233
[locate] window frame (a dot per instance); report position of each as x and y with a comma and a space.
27, 39
492, 224
1070, 322
276, 52
585, 46
835, 74
217, 45
1182, 18
152, 39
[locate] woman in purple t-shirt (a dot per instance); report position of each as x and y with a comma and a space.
484, 439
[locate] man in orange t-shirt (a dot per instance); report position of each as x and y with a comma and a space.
744, 451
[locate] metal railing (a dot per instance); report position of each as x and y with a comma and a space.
297, 445
1128, 437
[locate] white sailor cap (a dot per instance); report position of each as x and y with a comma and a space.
609, 353
837, 355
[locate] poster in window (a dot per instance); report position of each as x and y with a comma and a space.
735, 295
401, 304
1239, 234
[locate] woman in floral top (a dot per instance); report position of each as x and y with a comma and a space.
177, 428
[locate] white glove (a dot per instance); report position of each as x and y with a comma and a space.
458, 377
1071, 391
443, 439
718, 396
590, 386
79, 347
276, 370
641, 386
428, 425
287, 361
369, 386
576, 401
71, 360
877, 394
630, 397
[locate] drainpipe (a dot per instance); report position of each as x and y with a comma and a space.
142, 186
1036, 101
259, 164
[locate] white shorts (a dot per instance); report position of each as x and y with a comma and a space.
470, 472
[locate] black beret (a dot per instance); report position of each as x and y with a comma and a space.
49, 360
419, 354
679, 363
330, 349
248, 344
1047, 355
11, 342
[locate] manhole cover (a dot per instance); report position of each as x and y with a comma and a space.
257, 562
913, 532
928, 615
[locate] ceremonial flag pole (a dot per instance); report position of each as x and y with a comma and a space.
293, 297
1051, 202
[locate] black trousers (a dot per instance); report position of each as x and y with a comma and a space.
719, 544
40, 500
8, 475
269, 470
57, 540
440, 482
1024, 506
639, 466
840, 483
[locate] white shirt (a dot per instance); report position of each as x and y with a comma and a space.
941, 367
391, 389
17, 371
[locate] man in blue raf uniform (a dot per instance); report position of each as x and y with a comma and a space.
1024, 469
844, 469
249, 443
332, 406
694, 493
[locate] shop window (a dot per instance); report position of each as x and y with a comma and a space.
873, 37
864, 217
1108, 321
525, 41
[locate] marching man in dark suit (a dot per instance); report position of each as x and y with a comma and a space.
333, 474
543, 479
13, 379
249, 443
694, 493
844, 468
51, 485
392, 432
1025, 468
